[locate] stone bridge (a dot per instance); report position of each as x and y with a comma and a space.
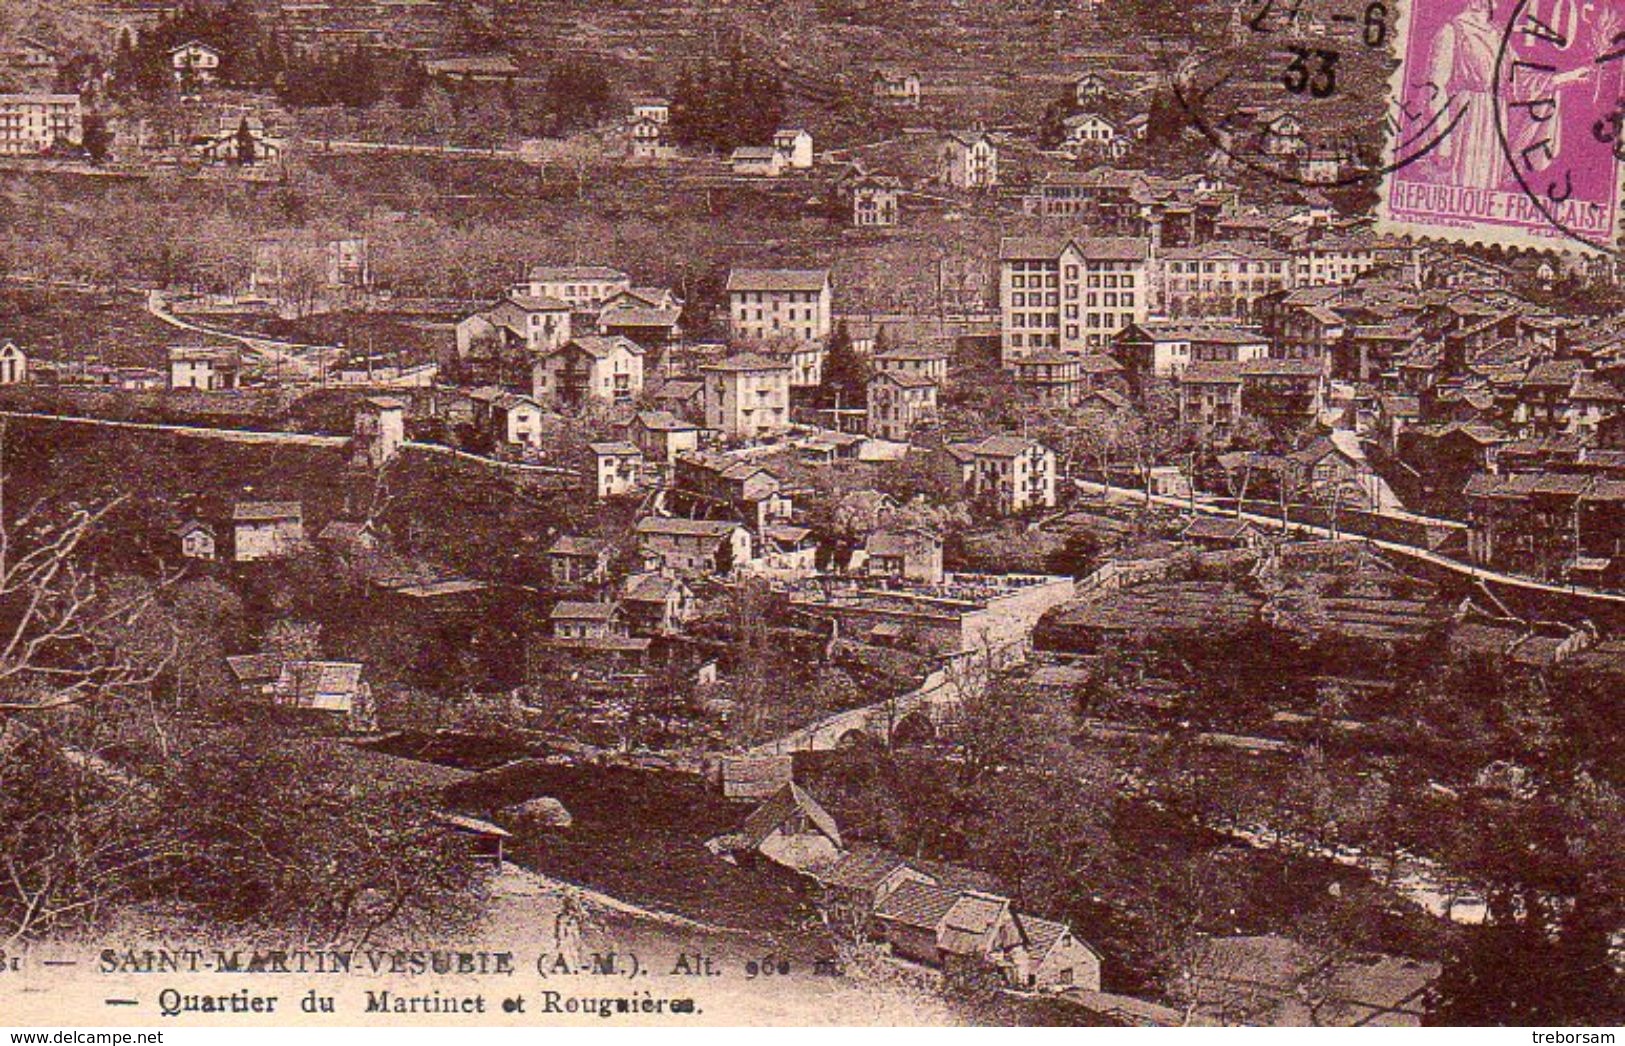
917, 715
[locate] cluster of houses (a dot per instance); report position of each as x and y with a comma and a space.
921, 912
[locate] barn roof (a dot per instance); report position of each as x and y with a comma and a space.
786, 801
917, 904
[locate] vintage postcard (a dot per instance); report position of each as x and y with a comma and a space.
590, 513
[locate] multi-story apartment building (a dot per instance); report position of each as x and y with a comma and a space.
874, 201
1010, 474
1210, 399
31, 123
537, 324
585, 288
746, 396
1164, 348
969, 160
1072, 294
899, 402
1334, 259
772, 304
1219, 279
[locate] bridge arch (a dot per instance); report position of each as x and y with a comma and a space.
916, 728
854, 738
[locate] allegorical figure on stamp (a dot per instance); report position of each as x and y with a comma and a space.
1461, 73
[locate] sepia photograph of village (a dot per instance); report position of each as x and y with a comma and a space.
907, 512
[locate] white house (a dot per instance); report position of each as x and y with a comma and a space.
540, 324
796, 146
969, 160
617, 468
195, 60
1091, 131
746, 396
33, 123
585, 288
899, 402
206, 368
757, 161
507, 418
656, 109
609, 370
1011, 474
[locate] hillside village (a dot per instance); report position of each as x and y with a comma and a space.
1050, 558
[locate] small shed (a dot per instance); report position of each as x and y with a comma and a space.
487, 838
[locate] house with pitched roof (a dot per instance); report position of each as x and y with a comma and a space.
658, 603
663, 436
1072, 293
205, 368
574, 560
909, 554
968, 160
926, 361
693, 546
709, 485
756, 161
570, 619
1012, 474
895, 87
1049, 957
533, 323
13, 364
791, 829
506, 419
197, 539
795, 146
587, 369
900, 402
584, 288
615, 468
746, 396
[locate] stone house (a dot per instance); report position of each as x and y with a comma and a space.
912, 555
573, 560
900, 402
605, 369
693, 546
267, 529
616, 468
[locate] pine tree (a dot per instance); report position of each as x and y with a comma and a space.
245, 143
846, 377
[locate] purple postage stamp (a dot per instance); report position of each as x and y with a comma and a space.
1521, 104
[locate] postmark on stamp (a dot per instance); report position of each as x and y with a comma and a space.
1532, 89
